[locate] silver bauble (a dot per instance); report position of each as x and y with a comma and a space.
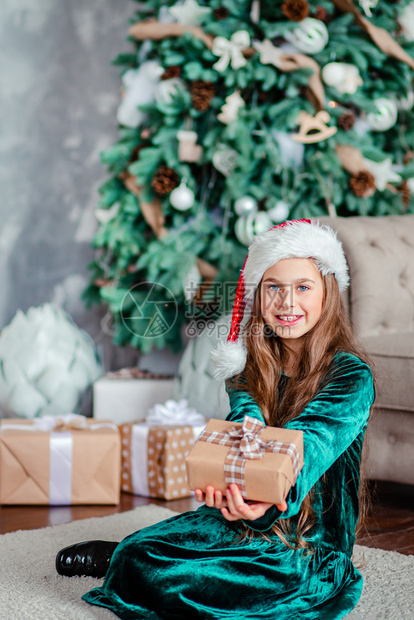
247, 226
386, 115
310, 36
245, 205
279, 213
182, 197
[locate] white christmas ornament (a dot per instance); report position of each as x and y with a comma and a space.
230, 51
230, 110
406, 21
342, 76
140, 89
225, 159
386, 115
167, 89
279, 213
182, 197
382, 172
269, 53
247, 226
245, 205
310, 36
106, 215
189, 13
291, 151
367, 5
361, 126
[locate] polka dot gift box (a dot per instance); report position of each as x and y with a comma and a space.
154, 451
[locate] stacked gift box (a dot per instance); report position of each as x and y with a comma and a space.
154, 451
71, 459
127, 395
59, 460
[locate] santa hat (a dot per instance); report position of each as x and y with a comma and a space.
292, 239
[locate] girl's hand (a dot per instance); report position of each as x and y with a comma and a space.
234, 507
213, 498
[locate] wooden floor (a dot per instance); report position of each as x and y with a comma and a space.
390, 524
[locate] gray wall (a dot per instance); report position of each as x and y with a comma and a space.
58, 100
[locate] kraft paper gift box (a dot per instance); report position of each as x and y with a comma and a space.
59, 461
154, 451
126, 395
264, 461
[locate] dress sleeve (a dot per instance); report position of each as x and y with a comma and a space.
241, 404
330, 423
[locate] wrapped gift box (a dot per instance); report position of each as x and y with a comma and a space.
263, 460
59, 461
154, 451
128, 394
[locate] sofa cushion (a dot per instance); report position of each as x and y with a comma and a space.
380, 255
393, 355
390, 441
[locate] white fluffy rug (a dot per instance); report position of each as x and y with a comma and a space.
30, 588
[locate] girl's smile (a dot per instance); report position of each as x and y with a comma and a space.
289, 319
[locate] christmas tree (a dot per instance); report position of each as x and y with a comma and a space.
237, 115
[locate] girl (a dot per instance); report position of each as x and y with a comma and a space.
298, 367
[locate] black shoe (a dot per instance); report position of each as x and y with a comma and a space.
89, 559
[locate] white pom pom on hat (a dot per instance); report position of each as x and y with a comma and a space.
292, 239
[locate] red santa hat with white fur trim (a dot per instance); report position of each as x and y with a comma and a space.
292, 239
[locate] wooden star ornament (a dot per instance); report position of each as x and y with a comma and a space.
269, 54
190, 13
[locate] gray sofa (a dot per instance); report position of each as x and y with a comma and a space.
380, 303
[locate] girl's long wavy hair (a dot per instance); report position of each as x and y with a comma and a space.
265, 360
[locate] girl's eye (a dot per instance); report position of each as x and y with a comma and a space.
275, 287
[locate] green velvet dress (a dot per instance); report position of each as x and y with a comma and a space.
193, 565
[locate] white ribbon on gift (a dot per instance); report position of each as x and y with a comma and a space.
174, 412
230, 51
61, 450
170, 413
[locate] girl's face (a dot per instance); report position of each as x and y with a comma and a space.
292, 297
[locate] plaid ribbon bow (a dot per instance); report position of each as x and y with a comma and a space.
245, 443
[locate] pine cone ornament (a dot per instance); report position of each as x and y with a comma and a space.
346, 121
363, 184
220, 13
171, 72
202, 92
405, 193
295, 10
165, 180
321, 14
